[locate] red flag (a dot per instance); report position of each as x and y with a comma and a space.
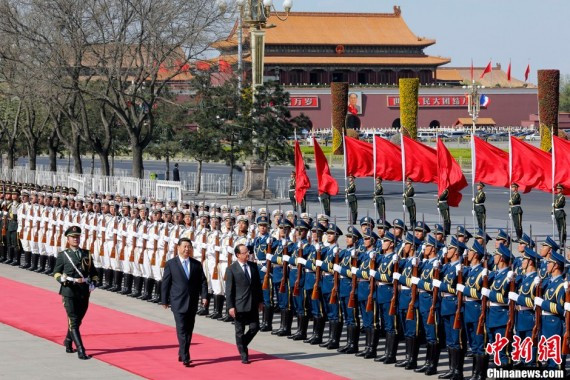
450, 175
531, 166
487, 70
509, 72
359, 157
491, 164
224, 66
527, 72
326, 182
561, 157
302, 183
388, 160
421, 161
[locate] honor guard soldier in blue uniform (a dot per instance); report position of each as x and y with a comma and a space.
410, 260
515, 209
472, 301
498, 295
316, 306
259, 251
399, 230
328, 255
75, 272
479, 206
524, 242
526, 286
420, 232
462, 236
553, 305
369, 318
383, 226
409, 202
443, 208
438, 233
425, 288
559, 214
384, 294
283, 299
366, 223
448, 290
349, 314
297, 260
379, 198
548, 247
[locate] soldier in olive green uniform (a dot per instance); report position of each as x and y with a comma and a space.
379, 198
479, 206
325, 199
351, 199
516, 209
292, 184
12, 228
4, 205
443, 208
75, 271
409, 201
560, 214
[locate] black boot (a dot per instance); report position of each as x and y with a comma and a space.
458, 371
17, 257
128, 285
100, 274
10, 256
157, 297
337, 331
427, 363
27, 260
349, 332
404, 363
368, 343
137, 287
221, 308
268, 317
314, 334
68, 343
281, 323
301, 333
149, 288
106, 279
414, 351
483, 363
35, 259
452, 359
328, 341
205, 310
214, 309
42, 266
374, 337
475, 373
218, 307
118, 281
3, 256
288, 316
320, 321
434, 361
227, 317
353, 343
48, 267
391, 348
79, 344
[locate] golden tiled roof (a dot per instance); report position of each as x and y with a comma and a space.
448, 75
481, 121
349, 60
314, 28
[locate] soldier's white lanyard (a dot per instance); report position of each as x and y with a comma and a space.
73, 265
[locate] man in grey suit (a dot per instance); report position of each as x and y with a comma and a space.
183, 284
244, 298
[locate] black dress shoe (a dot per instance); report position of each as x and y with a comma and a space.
186, 363
179, 358
70, 350
245, 361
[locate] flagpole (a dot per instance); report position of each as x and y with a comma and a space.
403, 173
345, 175
473, 174
437, 148
510, 174
317, 169
374, 166
553, 160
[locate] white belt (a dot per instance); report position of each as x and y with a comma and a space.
405, 288
479, 204
522, 308
308, 271
422, 291
544, 312
469, 299
447, 295
72, 279
383, 284
497, 304
442, 201
362, 280
558, 209
326, 274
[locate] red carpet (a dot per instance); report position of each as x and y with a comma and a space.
143, 347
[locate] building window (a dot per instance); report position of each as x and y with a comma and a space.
339, 76
396, 123
434, 124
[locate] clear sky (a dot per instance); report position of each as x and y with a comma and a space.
523, 31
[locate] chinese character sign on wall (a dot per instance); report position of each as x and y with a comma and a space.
435, 101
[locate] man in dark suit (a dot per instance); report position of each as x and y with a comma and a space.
175, 173
183, 283
244, 298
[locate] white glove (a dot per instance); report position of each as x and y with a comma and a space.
91, 288
565, 285
353, 253
510, 275
538, 301
283, 242
319, 263
346, 200
264, 269
372, 272
175, 240
444, 250
472, 212
318, 247
319, 198
536, 281
484, 272
63, 277
396, 276
415, 280
457, 269
513, 296
229, 249
301, 261
372, 255
395, 258
268, 256
485, 292
286, 258
335, 250
217, 248
553, 205
436, 283
353, 270
337, 268
436, 264
567, 306
460, 288
414, 261
472, 199
269, 241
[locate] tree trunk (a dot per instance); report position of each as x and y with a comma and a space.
10, 157
113, 162
52, 158
76, 155
198, 178
138, 168
92, 163
167, 166
231, 178
104, 159
32, 155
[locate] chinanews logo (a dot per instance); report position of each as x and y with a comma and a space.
548, 350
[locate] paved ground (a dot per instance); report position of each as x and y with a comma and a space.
50, 360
